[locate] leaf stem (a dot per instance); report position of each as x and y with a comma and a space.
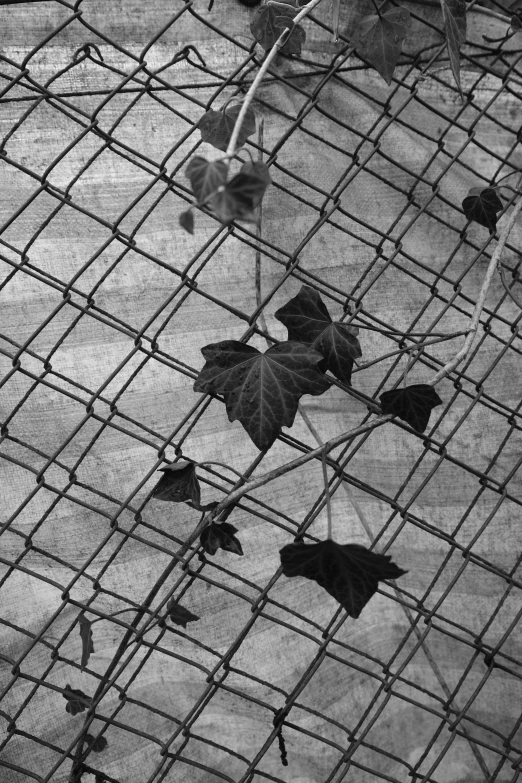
327, 493
424, 344
249, 97
477, 312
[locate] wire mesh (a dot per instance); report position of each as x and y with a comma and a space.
105, 306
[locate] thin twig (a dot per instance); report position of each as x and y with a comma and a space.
405, 350
249, 97
477, 312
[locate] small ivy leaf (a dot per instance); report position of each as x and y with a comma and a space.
86, 637
242, 194
379, 39
482, 205
262, 391
77, 701
179, 615
220, 536
206, 177
413, 404
217, 126
516, 23
454, 16
308, 321
186, 221
178, 483
349, 572
96, 744
270, 21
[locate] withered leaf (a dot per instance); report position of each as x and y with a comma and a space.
179, 615
454, 16
96, 744
86, 637
217, 126
178, 483
413, 404
349, 572
206, 177
379, 39
309, 322
482, 205
77, 701
220, 536
262, 391
270, 21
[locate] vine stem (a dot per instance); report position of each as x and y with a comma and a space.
249, 97
327, 493
477, 312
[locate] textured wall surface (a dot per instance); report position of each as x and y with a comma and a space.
105, 304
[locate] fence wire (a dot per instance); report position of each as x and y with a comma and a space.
76, 105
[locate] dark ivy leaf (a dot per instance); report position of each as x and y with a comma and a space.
96, 744
516, 23
482, 205
308, 321
216, 126
178, 483
270, 21
77, 701
262, 391
186, 221
379, 39
454, 16
413, 404
349, 572
206, 177
179, 615
220, 536
86, 637
242, 194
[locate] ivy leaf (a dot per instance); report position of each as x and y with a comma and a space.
482, 205
262, 391
242, 194
413, 404
96, 744
206, 177
379, 39
349, 572
179, 615
454, 16
86, 637
308, 321
270, 21
77, 701
217, 126
178, 483
220, 536
186, 221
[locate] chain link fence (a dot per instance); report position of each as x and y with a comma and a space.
105, 305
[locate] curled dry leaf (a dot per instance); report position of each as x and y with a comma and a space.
179, 615
349, 572
96, 744
262, 391
270, 21
77, 701
220, 536
482, 205
413, 404
86, 637
379, 39
217, 126
178, 484
309, 322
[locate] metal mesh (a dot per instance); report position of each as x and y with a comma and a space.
104, 308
